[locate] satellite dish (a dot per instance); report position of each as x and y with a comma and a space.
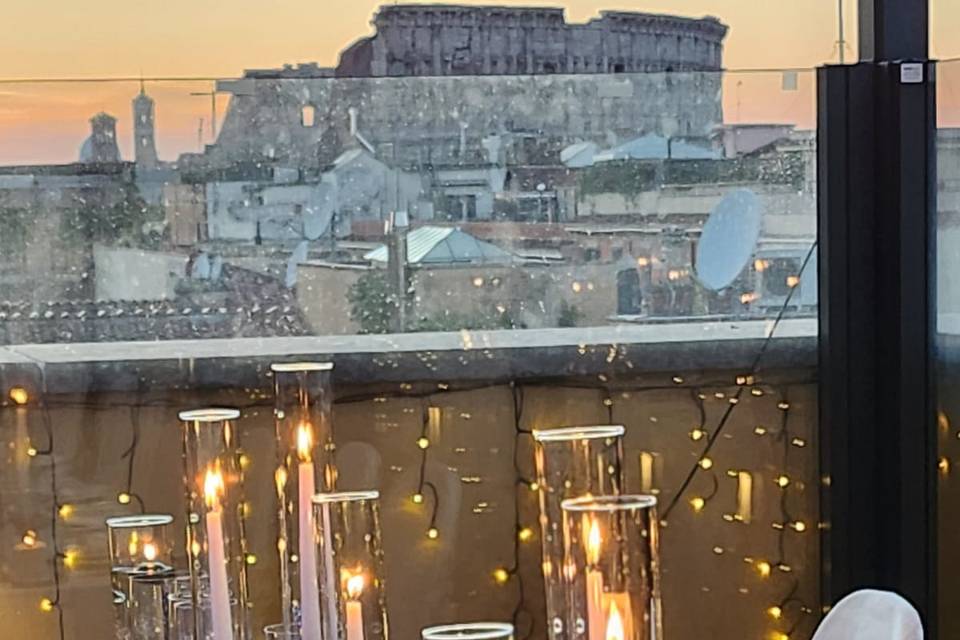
201, 267
299, 255
729, 238
314, 224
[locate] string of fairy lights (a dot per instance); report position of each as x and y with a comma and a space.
789, 606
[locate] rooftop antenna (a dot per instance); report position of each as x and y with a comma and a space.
841, 42
212, 94
200, 135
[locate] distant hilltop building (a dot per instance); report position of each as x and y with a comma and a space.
452, 40
101, 146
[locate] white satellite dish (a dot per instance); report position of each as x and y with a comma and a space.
201, 267
299, 255
314, 224
728, 239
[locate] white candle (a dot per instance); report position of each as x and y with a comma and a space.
309, 594
219, 590
595, 615
354, 608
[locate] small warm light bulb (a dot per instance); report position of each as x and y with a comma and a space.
698, 504
782, 481
19, 395
417, 498
764, 568
525, 534
697, 434
46, 605
433, 533
760, 430
123, 498
534, 486
251, 559
423, 442
706, 463
32, 452
29, 538
244, 461
944, 465
65, 511
799, 526
70, 557
775, 612
501, 575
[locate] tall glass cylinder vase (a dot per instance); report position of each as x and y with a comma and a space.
216, 540
304, 432
136, 544
351, 558
612, 559
571, 462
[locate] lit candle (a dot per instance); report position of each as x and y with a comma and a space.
354, 608
309, 594
619, 603
219, 591
594, 583
614, 629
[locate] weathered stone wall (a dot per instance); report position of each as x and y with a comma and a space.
421, 122
421, 40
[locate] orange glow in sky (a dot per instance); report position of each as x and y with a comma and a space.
47, 122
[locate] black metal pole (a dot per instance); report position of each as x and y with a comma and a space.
876, 206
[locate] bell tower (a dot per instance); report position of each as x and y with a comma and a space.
145, 150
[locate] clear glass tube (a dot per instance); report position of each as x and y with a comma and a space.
571, 462
304, 432
469, 631
612, 561
216, 541
138, 542
351, 558
149, 605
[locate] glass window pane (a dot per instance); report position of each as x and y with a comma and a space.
493, 221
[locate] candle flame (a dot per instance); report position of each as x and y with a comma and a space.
593, 542
150, 551
355, 586
212, 487
614, 624
304, 442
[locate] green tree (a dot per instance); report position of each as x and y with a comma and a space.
373, 304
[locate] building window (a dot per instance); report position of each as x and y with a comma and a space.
308, 115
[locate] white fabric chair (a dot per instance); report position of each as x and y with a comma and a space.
871, 615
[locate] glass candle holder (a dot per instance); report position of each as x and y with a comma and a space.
136, 542
148, 605
216, 541
351, 558
571, 462
302, 418
612, 563
469, 631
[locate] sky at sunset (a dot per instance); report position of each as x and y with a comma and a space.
46, 39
